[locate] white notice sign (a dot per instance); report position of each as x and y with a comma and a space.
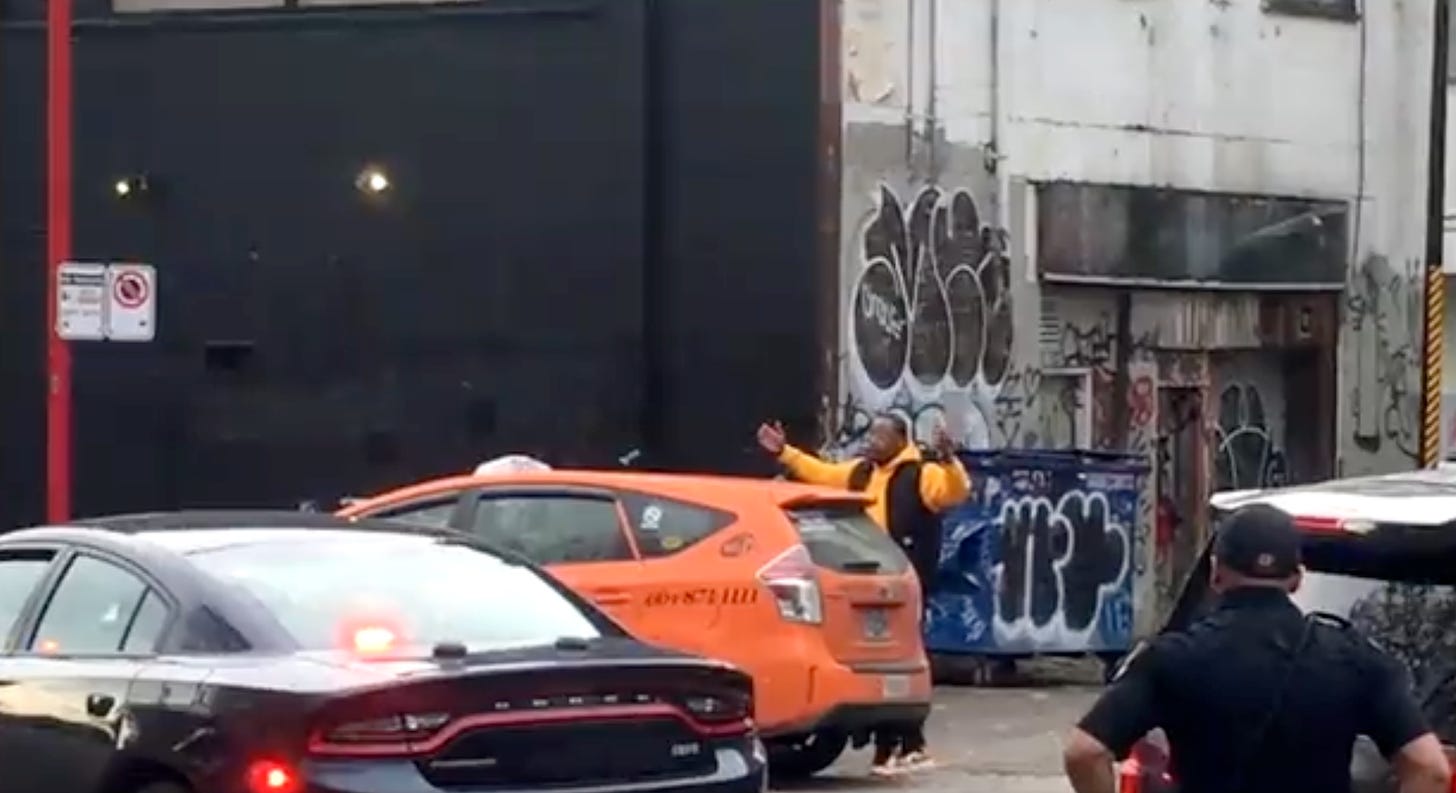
81, 301
131, 310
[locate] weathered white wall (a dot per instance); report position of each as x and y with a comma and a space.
956, 106
1448, 254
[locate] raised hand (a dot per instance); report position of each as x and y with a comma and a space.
771, 437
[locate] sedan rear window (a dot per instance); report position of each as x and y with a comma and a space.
843, 538
396, 591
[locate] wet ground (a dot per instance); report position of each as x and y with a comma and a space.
987, 739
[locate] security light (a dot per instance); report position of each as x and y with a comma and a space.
373, 181
130, 187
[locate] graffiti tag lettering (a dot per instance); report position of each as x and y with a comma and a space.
1058, 561
930, 314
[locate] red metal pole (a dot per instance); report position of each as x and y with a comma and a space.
58, 249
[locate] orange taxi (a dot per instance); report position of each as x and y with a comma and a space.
792, 583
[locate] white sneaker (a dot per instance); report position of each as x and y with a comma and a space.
917, 761
890, 768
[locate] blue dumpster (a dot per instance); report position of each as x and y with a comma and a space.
1040, 559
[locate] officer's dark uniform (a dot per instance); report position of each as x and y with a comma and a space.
1211, 687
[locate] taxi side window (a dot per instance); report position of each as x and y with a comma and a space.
664, 526
434, 513
97, 609
553, 529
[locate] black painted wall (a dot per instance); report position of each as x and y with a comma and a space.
601, 238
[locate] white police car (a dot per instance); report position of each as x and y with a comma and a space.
1379, 551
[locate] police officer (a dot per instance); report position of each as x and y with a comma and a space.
1257, 697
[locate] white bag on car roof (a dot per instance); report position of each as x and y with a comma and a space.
511, 464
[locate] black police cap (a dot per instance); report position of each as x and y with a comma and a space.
1259, 541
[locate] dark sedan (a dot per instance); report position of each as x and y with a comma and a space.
294, 653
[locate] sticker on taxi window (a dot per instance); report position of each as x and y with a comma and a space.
651, 519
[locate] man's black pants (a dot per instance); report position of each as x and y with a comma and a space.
909, 737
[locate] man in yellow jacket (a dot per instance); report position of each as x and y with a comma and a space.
908, 492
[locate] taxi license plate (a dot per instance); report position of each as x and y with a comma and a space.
876, 624
895, 686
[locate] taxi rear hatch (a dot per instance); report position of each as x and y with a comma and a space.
869, 599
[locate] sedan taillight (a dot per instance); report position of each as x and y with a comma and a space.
719, 713
384, 735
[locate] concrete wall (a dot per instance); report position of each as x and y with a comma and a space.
953, 109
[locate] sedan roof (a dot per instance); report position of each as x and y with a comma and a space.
186, 531
190, 541
193, 519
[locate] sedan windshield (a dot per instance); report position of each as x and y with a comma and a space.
384, 592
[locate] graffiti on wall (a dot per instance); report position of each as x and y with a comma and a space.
930, 326
1246, 453
1092, 346
1384, 311
1040, 409
1039, 560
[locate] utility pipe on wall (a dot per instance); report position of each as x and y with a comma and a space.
1435, 293
58, 249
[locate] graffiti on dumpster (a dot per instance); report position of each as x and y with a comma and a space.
1038, 562
1058, 561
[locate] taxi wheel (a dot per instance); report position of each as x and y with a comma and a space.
805, 756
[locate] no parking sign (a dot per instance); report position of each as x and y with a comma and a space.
131, 302
96, 302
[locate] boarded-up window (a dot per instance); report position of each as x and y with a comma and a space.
150, 6
1110, 233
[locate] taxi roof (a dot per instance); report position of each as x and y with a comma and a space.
716, 486
1410, 498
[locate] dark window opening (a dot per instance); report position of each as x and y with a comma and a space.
1345, 10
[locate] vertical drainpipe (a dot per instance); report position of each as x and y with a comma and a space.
828, 165
932, 119
1435, 292
910, 85
998, 120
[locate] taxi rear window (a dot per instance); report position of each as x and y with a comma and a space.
844, 539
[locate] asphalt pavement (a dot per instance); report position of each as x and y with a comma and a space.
983, 739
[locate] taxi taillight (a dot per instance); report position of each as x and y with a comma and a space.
793, 580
